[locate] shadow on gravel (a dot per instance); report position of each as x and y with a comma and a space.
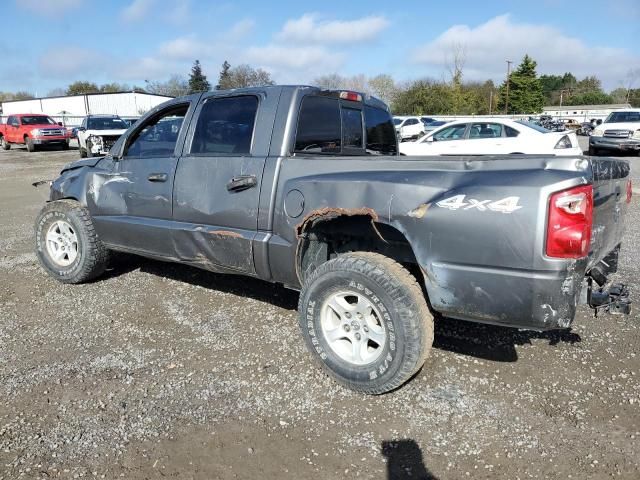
487, 342
236, 284
490, 342
405, 461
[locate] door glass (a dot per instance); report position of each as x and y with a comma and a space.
485, 130
319, 126
351, 128
225, 126
454, 132
381, 135
158, 135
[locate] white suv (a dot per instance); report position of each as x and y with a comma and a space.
620, 132
408, 127
98, 133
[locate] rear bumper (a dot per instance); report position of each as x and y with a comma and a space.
621, 144
533, 300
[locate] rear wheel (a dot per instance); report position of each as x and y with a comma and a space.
67, 244
4, 144
31, 147
365, 319
593, 151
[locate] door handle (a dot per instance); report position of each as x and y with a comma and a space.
242, 182
157, 177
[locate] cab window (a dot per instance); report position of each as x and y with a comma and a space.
158, 136
225, 126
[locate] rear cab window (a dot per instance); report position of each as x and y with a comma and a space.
329, 125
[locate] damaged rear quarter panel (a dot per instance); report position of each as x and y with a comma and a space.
478, 264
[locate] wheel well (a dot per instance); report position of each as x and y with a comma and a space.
322, 237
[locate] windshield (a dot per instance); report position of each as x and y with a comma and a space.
107, 123
533, 126
619, 117
397, 121
37, 120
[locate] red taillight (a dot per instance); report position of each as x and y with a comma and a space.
569, 222
353, 96
629, 191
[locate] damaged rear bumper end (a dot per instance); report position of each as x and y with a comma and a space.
612, 299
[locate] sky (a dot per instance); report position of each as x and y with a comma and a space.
47, 44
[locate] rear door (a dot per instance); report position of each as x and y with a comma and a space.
218, 180
13, 130
484, 139
132, 203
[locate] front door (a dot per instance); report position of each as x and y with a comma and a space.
217, 184
132, 202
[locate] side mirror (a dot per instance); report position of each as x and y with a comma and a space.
60, 123
429, 139
81, 129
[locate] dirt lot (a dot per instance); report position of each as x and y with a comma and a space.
160, 370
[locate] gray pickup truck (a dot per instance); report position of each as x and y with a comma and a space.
305, 187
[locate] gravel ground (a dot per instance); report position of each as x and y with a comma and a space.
160, 370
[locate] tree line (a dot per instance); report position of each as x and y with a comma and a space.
524, 92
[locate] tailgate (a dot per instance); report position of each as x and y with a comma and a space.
610, 178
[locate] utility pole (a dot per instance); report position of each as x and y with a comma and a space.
506, 102
491, 100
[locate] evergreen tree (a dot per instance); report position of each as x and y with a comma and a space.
224, 80
525, 89
197, 80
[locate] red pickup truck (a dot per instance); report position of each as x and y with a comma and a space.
33, 130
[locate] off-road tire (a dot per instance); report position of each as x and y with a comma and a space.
83, 151
65, 146
5, 145
31, 147
92, 257
593, 151
396, 293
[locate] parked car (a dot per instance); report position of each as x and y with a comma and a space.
491, 136
620, 132
433, 125
33, 130
304, 187
409, 127
97, 134
427, 120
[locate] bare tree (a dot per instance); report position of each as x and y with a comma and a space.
176, 86
384, 87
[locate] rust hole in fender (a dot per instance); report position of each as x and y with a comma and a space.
329, 213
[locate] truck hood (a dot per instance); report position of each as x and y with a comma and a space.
633, 126
85, 162
100, 133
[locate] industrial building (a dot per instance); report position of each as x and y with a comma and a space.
582, 113
71, 109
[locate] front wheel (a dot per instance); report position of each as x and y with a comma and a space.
67, 244
31, 147
593, 151
364, 317
4, 144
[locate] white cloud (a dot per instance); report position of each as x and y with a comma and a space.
136, 10
183, 48
180, 13
310, 29
69, 61
241, 29
51, 9
489, 45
